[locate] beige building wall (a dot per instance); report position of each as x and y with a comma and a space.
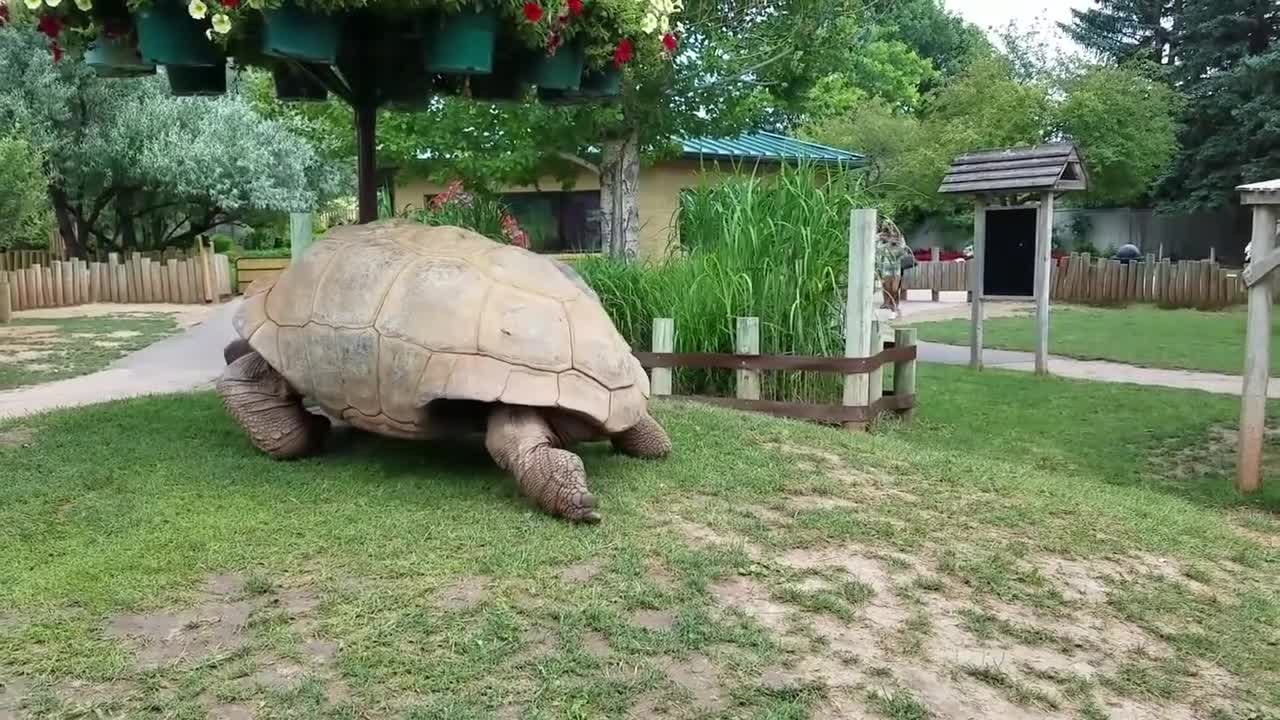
659, 195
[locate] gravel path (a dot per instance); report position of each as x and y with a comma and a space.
189, 361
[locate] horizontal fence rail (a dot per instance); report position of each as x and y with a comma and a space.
748, 363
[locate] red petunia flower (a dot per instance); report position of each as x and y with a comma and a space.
532, 12
669, 42
230, 4
575, 7
554, 41
49, 25
622, 53
56, 49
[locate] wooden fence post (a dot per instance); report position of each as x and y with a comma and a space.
859, 304
904, 371
747, 342
1257, 358
6, 303
934, 277
206, 273
664, 341
875, 388
975, 285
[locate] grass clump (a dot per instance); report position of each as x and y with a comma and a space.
775, 248
897, 705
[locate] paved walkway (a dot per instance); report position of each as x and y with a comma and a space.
193, 360
1096, 370
189, 361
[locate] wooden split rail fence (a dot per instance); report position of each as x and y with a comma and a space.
136, 279
1079, 278
748, 362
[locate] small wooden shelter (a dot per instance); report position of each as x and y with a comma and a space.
1014, 191
1264, 198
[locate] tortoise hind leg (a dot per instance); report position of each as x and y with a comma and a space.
523, 443
646, 439
269, 410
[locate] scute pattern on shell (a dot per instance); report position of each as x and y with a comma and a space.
378, 320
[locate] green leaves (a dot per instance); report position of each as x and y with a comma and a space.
24, 198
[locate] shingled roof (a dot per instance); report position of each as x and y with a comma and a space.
1045, 168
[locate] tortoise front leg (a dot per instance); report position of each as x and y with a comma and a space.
523, 443
269, 410
646, 439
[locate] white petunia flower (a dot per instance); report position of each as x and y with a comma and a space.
53, 3
197, 9
221, 24
32, 4
84, 5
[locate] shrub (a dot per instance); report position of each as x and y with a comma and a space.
775, 248
474, 211
222, 243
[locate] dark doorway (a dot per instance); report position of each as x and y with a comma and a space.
1009, 266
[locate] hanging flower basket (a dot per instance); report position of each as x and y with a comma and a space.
293, 84
117, 57
197, 81
462, 44
169, 35
299, 34
561, 71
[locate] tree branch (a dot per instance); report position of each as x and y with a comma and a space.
584, 164
743, 73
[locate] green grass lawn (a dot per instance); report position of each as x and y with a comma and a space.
1139, 335
1027, 546
41, 350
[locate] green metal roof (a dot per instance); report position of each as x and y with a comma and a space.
767, 147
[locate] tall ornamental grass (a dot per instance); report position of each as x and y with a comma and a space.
774, 247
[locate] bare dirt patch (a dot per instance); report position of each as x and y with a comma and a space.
16, 437
231, 711
184, 315
214, 627
464, 594
582, 572
700, 679
596, 645
657, 620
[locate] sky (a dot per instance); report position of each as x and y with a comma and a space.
987, 14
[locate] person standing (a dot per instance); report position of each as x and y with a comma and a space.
891, 252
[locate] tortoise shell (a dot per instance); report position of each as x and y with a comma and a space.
377, 321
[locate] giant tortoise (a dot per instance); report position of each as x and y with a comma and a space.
417, 331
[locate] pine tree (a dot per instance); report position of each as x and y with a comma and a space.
1123, 30
1229, 70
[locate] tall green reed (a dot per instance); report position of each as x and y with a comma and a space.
774, 247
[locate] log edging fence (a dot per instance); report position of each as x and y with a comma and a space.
135, 279
901, 354
1080, 278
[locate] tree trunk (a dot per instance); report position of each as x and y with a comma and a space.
619, 189
125, 203
68, 228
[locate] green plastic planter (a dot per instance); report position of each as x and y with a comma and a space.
192, 81
562, 71
462, 44
297, 34
167, 35
597, 86
295, 85
117, 57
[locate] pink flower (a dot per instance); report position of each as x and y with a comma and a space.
532, 12
230, 4
553, 43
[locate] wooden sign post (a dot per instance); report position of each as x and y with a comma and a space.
1264, 198
1014, 191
